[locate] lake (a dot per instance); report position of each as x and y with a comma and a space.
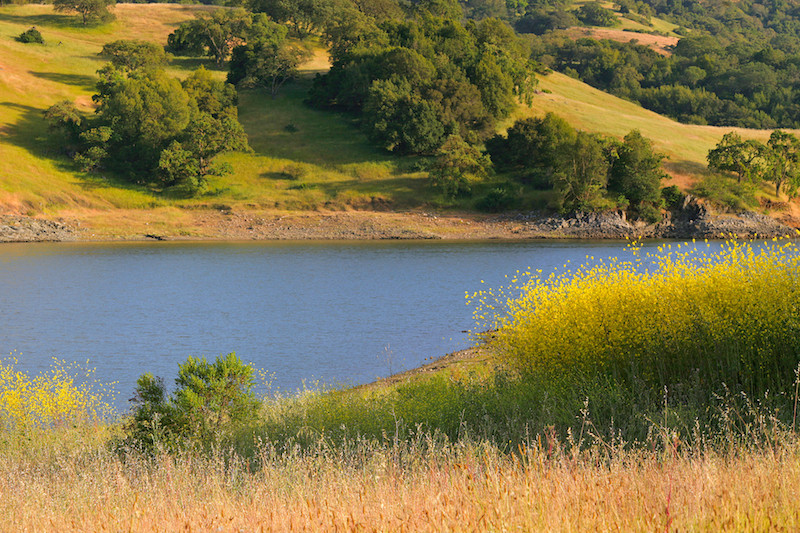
333, 312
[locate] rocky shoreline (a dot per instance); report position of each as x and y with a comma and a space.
689, 221
26, 229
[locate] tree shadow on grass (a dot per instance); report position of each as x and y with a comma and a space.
401, 191
81, 81
31, 133
52, 20
194, 63
686, 167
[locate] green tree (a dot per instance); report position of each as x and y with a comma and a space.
146, 113
783, 162
304, 16
456, 164
153, 129
594, 14
733, 154
402, 120
211, 401
267, 64
31, 35
65, 119
636, 173
133, 54
218, 33
531, 146
88, 9
581, 173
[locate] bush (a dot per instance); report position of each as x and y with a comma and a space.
212, 401
699, 325
726, 193
30, 36
497, 200
672, 196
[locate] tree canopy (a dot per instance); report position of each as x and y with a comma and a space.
89, 10
151, 128
416, 82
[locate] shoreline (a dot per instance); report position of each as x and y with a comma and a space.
692, 220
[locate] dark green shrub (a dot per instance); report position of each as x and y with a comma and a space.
672, 196
497, 200
30, 36
212, 400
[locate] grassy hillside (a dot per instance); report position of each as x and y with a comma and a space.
591, 109
303, 158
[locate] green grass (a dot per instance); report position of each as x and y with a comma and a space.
303, 158
342, 168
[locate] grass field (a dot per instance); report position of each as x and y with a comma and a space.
303, 159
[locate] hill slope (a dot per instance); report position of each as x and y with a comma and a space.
304, 159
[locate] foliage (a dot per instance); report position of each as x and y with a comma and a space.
726, 193
210, 402
304, 16
587, 172
777, 161
734, 154
268, 62
216, 34
455, 165
531, 146
31, 35
64, 118
636, 174
594, 14
581, 173
498, 199
540, 21
673, 197
783, 162
134, 54
419, 81
90, 10
149, 126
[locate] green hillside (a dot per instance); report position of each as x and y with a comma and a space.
303, 158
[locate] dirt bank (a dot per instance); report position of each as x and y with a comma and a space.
692, 220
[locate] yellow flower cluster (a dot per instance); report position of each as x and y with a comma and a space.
729, 310
51, 399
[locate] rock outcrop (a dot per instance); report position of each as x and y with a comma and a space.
26, 229
691, 220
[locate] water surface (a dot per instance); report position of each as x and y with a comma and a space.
337, 312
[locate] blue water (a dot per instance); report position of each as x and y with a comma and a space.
338, 313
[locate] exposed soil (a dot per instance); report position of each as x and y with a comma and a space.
692, 220
660, 43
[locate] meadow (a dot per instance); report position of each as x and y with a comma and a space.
638, 393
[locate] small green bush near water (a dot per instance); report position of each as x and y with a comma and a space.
212, 400
31, 35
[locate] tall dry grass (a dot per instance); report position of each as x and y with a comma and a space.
418, 487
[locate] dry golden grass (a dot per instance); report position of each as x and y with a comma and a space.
452, 488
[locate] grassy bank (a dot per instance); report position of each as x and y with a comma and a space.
642, 393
